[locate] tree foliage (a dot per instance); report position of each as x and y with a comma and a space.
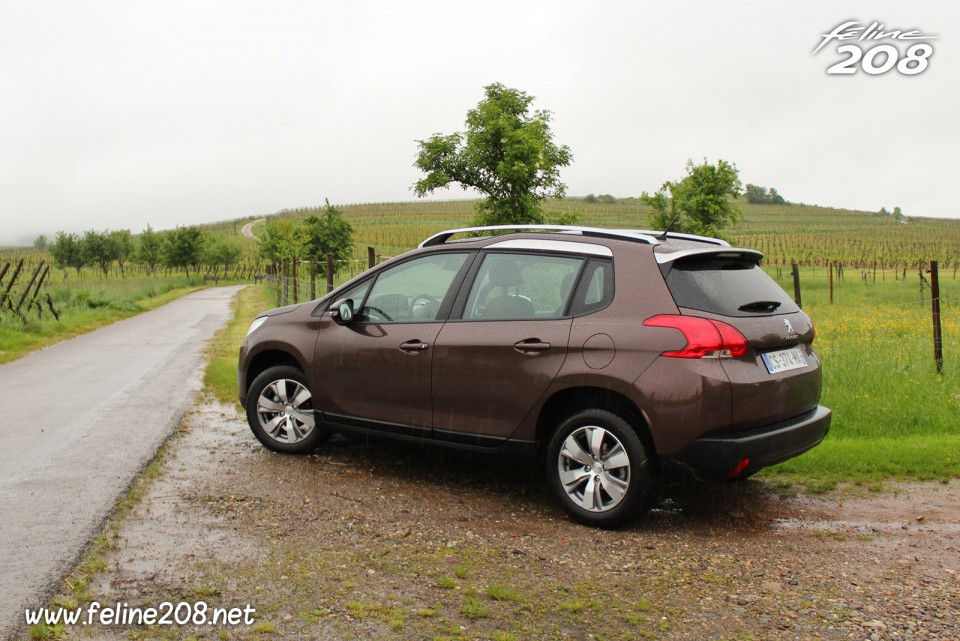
279, 241
221, 251
66, 251
506, 153
96, 248
699, 203
330, 234
148, 249
182, 248
121, 246
757, 195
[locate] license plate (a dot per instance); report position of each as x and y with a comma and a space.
784, 360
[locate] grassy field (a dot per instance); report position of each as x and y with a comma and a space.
84, 305
894, 415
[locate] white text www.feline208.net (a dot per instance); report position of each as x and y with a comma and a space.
167, 613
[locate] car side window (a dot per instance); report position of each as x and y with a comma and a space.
413, 291
596, 288
522, 287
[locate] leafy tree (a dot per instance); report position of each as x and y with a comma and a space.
757, 195
221, 251
40, 242
898, 214
279, 241
148, 249
182, 248
122, 246
98, 249
506, 153
606, 199
330, 234
590, 198
66, 252
700, 202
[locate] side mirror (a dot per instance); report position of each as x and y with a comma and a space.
342, 312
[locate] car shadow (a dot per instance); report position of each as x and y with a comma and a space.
681, 503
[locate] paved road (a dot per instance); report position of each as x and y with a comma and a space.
248, 228
79, 421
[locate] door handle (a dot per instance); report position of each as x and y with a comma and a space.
414, 346
531, 345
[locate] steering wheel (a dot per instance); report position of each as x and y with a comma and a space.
371, 313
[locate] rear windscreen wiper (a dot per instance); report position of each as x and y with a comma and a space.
760, 306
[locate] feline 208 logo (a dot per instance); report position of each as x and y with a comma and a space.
909, 59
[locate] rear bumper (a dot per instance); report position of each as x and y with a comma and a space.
722, 457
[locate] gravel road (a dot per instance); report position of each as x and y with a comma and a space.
80, 420
384, 542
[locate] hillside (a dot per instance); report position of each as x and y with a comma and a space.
807, 233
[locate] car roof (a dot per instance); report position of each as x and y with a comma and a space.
646, 237
667, 246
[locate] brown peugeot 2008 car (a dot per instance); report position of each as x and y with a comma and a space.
606, 354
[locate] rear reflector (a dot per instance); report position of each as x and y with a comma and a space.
705, 338
738, 470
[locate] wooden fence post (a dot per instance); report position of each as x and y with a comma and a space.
796, 285
296, 290
372, 258
329, 273
830, 269
935, 296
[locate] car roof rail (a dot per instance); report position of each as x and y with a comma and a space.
639, 236
659, 235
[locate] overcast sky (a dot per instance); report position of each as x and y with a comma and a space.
116, 114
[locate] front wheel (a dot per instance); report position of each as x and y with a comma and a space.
280, 411
599, 469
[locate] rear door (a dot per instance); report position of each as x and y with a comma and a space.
779, 377
495, 361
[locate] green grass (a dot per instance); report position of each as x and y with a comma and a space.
220, 378
894, 415
85, 305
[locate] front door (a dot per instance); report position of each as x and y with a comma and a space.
376, 372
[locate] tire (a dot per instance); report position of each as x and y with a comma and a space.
599, 469
280, 412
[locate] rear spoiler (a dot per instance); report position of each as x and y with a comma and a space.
664, 258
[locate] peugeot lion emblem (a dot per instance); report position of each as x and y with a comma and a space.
790, 332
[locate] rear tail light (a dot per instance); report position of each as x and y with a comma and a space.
705, 338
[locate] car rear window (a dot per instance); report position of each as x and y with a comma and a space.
725, 285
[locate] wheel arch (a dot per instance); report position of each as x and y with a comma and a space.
266, 359
572, 399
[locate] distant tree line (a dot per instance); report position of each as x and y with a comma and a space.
897, 214
757, 195
184, 248
603, 199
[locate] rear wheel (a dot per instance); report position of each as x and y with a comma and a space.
599, 469
280, 411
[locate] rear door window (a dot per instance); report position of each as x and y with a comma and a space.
522, 287
725, 285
